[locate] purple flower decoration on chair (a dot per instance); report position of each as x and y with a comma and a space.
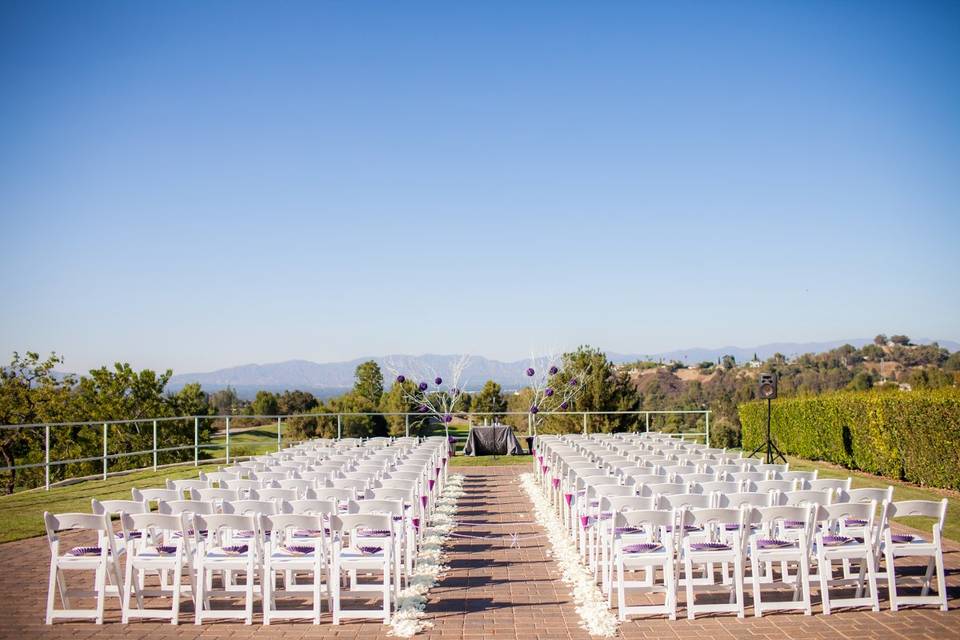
534, 409
438, 380
422, 386
548, 392
401, 379
530, 372
553, 371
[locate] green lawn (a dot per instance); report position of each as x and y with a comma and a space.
21, 514
490, 461
248, 442
901, 491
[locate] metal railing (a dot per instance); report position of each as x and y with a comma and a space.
410, 419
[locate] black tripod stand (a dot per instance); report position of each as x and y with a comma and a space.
769, 445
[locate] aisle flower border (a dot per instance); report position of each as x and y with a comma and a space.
595, 615
409, 618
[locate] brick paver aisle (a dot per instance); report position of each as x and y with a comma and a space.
491, 590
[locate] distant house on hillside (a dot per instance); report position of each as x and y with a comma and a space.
754, 364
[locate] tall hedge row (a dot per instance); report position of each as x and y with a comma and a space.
912, 436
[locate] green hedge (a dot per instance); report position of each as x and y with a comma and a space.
912, 435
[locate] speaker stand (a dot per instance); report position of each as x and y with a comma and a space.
769, 445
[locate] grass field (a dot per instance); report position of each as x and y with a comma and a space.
21, 514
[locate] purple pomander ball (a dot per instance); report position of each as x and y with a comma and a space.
548, 392
553, 371
455, 391
422, 386
530, 372
401, 379
534, 409
564, 406
438, 380
448, 418
423, 408
573, 382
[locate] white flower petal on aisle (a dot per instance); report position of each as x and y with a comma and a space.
409, 619
595, 614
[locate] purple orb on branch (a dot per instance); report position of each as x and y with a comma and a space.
422, 386
401, 379
564, 405
448, 418
438, 380
553, 371
455, 391
423, 408
530, 372
534, 409
573, 382
548, 392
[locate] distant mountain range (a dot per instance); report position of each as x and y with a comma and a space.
332, 378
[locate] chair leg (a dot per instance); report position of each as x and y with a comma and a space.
200, 594
386, 592
670, 583
755, 579
267, 586
101, 587
825, 568
125, 592
941, 582
52, 586
892, 581
871, 563
927, 577
621, 596
251, 578
803, 568
738, 567
688, 572
177, 586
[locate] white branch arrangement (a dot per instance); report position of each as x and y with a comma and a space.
409, 619
433, 395
552, 389
595, 615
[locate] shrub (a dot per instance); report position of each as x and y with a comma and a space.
912, 436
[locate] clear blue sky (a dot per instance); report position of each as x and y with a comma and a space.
202, 184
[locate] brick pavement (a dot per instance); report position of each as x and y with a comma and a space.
491, 590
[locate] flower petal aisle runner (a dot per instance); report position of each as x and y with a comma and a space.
595, 614
428, 565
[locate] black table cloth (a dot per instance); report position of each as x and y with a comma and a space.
492, 440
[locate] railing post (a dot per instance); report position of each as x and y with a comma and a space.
154, 445
104, 450
339, 426
707, 414
584, 423
46, 456
279, 445
196, 440
228, 440
406, 424
647, 414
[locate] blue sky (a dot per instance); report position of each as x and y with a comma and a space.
198, 185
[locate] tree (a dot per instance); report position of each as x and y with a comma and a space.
368, 381
861, 382
605, 388
265, 404
880, 340
224, 401
294, 402
903, 341
397, 400
30, 392
728, 362
489, 401
953, 362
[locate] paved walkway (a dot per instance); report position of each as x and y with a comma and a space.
491, 590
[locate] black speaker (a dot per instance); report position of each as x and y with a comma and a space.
768, 386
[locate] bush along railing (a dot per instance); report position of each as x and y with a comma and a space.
46, 454
913, 436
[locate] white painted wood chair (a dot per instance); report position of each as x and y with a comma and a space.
770, 545
905, 546
294, 555
832, 545
102, 560
642, 542
353, 551
156, 550
220, 550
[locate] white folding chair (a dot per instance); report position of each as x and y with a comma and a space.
102, 559
770, 545
831, 546
219, 550
647, 540
355, 548
156, 550
903, 546
293, 554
